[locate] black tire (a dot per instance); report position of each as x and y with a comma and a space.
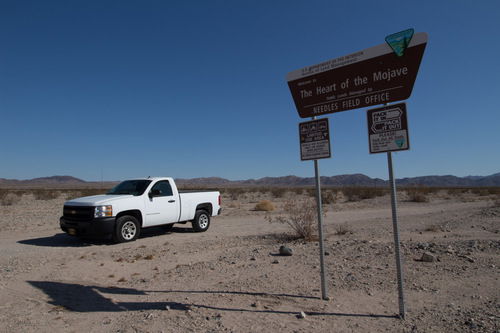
127, 229
167, 227
201, 221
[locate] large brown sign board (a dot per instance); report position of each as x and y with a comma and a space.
369, 77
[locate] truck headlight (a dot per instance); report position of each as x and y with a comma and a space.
103, 211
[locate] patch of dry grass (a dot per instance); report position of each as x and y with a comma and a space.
264, 206
343, 229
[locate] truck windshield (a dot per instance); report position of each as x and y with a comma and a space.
133, 187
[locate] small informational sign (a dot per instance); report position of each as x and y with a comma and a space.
388, 129
376, 75
314, 139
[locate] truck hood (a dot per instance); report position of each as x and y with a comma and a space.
97, 200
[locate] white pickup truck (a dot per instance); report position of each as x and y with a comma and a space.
136, 204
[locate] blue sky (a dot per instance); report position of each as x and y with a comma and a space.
197, 88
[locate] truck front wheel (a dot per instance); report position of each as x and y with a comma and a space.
127, 229
201, 221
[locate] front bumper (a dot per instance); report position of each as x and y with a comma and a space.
92, 228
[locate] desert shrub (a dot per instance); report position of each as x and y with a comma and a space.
298, 190
256, 189
343, 229
86, 192
433, 228
457, 191
416, 194
311, 192
235, 193
264, 206
45, 194
300, 216
328, 197
496, 201
361, 193
8, 197
484, 191
278, 192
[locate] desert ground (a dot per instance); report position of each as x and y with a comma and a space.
232, 278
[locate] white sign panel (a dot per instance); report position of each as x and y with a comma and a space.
388, 129
314, 139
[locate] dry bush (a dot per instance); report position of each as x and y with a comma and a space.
328, 197
311, 192
264, 206
278, 192
298, 190
343, 229
361, 193
484, 191
433, 228
8, 197
423, 189
457, 191
87, 192
45, 194
300, 216
235, 192
496, 202
417, 194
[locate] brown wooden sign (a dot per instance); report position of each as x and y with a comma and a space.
369, 77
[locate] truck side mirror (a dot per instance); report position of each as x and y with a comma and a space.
154, 193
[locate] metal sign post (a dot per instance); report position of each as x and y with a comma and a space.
399, 264
315, 144
388, 132
324, 294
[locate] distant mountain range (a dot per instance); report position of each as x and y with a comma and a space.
350, 180
340, 180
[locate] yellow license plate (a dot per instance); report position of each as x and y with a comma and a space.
72, 231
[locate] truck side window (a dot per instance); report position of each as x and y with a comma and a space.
164, 187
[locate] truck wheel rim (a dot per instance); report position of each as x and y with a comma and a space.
203, 221
128, 230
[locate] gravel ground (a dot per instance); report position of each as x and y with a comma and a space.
232, 278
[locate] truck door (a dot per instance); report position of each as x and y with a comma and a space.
161, 205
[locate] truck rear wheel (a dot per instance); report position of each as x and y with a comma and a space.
201, 221
127, 229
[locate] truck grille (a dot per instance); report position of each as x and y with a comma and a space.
78, 213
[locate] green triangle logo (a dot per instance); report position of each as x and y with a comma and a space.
400, 41
400, 142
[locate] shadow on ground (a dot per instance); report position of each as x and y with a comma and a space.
82, 298
65, 240
61, 240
